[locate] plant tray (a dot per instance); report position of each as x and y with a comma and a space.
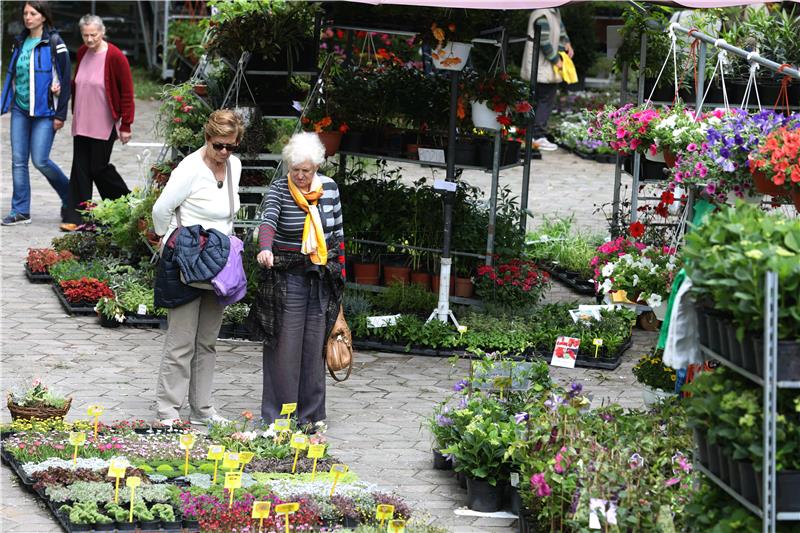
68, 307
144, 321
578, 285
16, 467
37, 277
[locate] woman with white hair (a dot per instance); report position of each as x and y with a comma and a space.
301, 240
102, 111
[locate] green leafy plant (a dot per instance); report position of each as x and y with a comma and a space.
235, 314
406, 298
72, 269
110, 308
36, 394
651, 371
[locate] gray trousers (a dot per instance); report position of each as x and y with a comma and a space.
545, 102
190, 353
294, 367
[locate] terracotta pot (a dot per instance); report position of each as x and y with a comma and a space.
366, 273
464, 288
421, 278
394, 274
201, 90
764, 185
331, 140
669, 158
435, 284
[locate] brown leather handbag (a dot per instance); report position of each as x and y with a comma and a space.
339, 348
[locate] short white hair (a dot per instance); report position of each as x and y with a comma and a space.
304, 147
88, 20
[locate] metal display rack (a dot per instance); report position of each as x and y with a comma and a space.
768, 511
702, 53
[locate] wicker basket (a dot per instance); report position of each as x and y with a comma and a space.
24, 413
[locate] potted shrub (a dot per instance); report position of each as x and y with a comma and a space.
121, 517
326, 126
657, 379
36, 400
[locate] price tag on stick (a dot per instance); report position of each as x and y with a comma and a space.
384, 512
315, 451
337, 471
186, 442
282, 425
597, 344
215, 453
261, 511
76, 438
95, 411
132, 482
299, 442
245, 458
397, 526
233, 481
288, 408
117, 469
230, 461
286, 509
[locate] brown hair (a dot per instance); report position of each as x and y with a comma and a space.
223, 122
43, 8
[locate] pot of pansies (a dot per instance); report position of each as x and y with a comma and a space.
34, 399
657, 379
39, 261
447, 52
775, 165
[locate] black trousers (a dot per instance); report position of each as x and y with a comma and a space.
90, 166
545, 102
294, 366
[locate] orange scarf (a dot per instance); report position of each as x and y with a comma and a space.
313, 244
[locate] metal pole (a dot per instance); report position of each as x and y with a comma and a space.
637, 157
526, 168
145, 35
493, 197
701, 78
615, 207
443, 309
770, 399
165, 42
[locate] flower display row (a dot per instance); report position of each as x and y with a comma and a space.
130, 474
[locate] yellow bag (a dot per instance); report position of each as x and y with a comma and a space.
567, 70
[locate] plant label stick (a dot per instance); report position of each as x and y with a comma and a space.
230, 461
287, 409
384, 512
337, 471
233, 481
186, 442
117, 470
215, 453
261, 511
282, 425
76, 438
286, 509
95, 411
298, 442
597, 344
132, 482
397, 526
245, 458
315, 451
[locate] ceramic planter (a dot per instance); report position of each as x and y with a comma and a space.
451, 56
366, 273
764, 185
396, 274
653, 396
658, 157
331, 141
484, 117
660, 311
482, 496
422, 279
464, 287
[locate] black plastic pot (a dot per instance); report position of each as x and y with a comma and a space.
748, 481
702, 327
111, 526
482, 496
350, 522
724, 467
510, 152
750, 355
225, 331
126, 526
177, 525
462, 479
80, 527
788, 490
733, 344
513, 502
733, 472
701, 444
714, 460
394, 144
150, 525
465, 153
714, 342
440, 462
191, 525
108, 322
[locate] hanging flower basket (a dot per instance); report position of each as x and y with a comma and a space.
484, 117
452, 56
764, 185
331, 141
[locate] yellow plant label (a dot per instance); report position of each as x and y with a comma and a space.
215, 452
397, 526
384, 512
288, 408
233, 480
261, 509
95, 410
282, 424
230, 461
316, 451
338, 470
597, 342
133, 482
246, 457
77, 438
287, 508
186, 441
299, 441
117, 469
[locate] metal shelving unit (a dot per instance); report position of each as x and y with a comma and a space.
768, 511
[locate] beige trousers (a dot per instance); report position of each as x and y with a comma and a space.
189, 356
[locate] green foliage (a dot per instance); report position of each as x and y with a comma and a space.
85, 513
84, 244
558, 241
356, 303
235, 314
406, 298
651, 371
131, 293
72, 270
182, 116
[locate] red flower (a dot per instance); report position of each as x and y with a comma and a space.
504, 120
523, 107
668, 197
636, 230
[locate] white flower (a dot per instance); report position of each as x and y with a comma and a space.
608, 269
635, 279
607, 286
627, 258
654, 300
269, 433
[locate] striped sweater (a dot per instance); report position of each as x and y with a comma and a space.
282, 226
547, 47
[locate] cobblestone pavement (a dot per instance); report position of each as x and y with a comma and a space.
375, 417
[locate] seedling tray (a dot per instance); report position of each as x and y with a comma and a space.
576, 284
68, 307
37, 277
144, 321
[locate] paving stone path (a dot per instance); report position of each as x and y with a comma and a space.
375, 417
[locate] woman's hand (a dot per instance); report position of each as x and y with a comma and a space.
265, 258
57, 124
124, 137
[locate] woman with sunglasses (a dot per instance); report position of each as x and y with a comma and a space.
102, 111
197, 193
302, 252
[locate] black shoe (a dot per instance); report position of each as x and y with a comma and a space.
16, 218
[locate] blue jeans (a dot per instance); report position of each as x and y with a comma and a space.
32, 138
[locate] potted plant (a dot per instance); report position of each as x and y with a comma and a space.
657, 379
182, 116
464, 287
36, 400
441, 427
110, 312
776, 162
514, 284
676, 129
121, 517
492, 96
327, 127
446, 50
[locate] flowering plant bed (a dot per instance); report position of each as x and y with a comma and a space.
73, 309
626, 129
40, 260
516, 283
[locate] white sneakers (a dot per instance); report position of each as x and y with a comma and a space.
215, 418
544, 145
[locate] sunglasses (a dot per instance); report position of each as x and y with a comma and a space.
229, 147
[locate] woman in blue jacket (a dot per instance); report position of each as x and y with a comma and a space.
36, 91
